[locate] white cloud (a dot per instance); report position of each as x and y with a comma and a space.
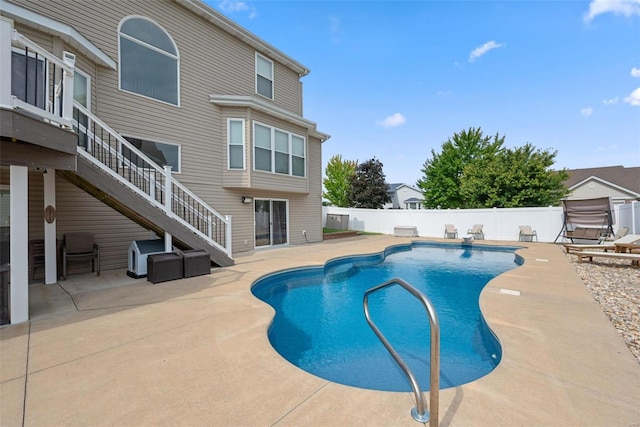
335, 28
479, 51
586, 112
617, 7
633, 98
335, 24
392, 121
635, 72
610, 101
231, 6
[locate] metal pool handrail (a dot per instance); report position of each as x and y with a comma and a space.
419, 413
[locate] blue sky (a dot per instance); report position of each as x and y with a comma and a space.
395, 79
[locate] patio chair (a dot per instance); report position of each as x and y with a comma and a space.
527, 234
476, 232
80, 247
450, 231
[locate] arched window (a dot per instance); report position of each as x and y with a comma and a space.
149, 61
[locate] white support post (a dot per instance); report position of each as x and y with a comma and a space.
168, 240
6, 31
50, 252
67, 84
19, 259
227, 237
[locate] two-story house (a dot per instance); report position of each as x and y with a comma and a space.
137, 119
404, 196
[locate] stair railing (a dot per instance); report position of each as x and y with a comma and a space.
419, 413
112, 153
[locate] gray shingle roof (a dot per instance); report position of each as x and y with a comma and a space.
628, 178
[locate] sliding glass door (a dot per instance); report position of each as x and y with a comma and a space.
271, 222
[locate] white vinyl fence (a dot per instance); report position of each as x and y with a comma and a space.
498, 223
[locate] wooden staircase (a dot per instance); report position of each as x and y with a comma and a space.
121, 176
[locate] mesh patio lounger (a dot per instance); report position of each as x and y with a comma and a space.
450, 231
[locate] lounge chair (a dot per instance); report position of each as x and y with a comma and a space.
527, 234
635, 258
476, 232
605, 246
450, 231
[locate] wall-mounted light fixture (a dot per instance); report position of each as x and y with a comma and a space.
246, 199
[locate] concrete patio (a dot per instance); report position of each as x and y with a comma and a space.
112, 350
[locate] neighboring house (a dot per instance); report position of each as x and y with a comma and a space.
620, 183
153, 118
404, 196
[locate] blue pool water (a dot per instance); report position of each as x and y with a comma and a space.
320, 324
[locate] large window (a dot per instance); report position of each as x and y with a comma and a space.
149, 62
235, 136
264, 76
162, 154
278, 151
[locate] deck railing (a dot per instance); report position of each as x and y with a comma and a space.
34, 80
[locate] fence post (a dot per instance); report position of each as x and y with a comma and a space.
67, 84
6, 31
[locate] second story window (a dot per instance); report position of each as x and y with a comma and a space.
235, 136
278, 151
149, 62
264, 76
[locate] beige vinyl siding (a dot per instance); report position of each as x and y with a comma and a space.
592, 189
211, 59
79, 211
287, 89
211, 62
43, 40
304, 211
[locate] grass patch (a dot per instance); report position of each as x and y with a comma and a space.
331, 230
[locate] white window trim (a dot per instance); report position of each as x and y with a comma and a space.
173, 171
273, 150
273, 77
176, 57
244, 144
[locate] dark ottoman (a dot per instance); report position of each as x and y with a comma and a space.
196, 263
164, 267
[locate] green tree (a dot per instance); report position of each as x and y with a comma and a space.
368, 187
444, 172
336, 183
518, 177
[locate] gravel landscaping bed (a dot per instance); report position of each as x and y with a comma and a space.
615, 284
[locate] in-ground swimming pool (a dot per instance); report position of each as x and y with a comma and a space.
320, 324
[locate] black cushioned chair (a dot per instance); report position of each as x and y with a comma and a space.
80, 247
